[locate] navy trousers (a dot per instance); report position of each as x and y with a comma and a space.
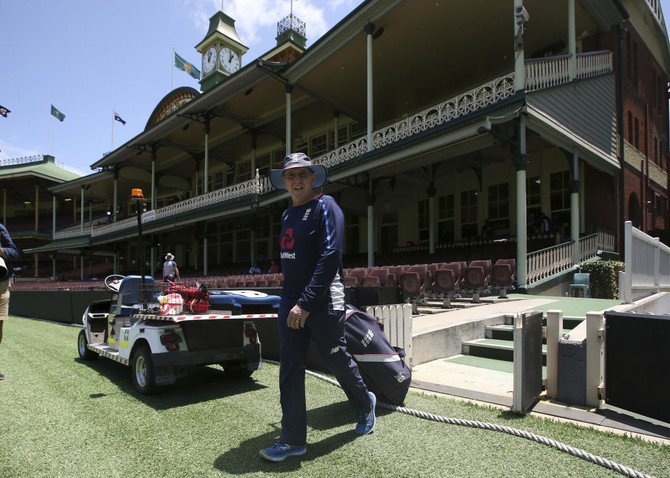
327, 330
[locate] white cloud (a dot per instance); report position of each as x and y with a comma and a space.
256, 20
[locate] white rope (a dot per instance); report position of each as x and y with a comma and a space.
604, 462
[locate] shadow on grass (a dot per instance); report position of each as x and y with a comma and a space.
246, 459
201, 384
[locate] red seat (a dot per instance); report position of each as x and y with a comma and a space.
381, 273
414, 280
476, 277
503, 274
446, 280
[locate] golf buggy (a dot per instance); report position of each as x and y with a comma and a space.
161, 340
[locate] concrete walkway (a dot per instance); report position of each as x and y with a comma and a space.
495, 388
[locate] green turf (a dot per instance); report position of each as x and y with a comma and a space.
571, 306
62, 417
487, 363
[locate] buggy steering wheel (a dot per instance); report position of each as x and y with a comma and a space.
113, 282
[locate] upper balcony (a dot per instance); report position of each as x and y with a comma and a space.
541, 74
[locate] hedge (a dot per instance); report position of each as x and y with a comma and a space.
603, 278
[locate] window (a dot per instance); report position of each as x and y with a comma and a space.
263, 164
559, 191
352, 232
498, 202
630, 127
636, 138
243, 170
318, 145
469, 214
424, 220
445, 218
533, 197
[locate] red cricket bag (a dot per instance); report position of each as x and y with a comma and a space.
381, 365
196, 299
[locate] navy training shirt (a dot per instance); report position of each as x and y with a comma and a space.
310, 247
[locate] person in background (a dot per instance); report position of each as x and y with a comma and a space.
8, 253
274, 268
254, 269
170, 269
312, 303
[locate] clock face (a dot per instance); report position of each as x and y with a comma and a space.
230, 60
209, 60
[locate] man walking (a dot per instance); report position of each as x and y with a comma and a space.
8, 252
312, 303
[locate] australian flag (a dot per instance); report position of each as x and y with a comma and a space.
118, 118
4, 111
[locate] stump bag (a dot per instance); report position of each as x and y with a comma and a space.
196, 299
381, 365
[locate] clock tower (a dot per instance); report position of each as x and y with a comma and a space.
221, 51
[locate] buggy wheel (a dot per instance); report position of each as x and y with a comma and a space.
144, 375
84, 352
236, 369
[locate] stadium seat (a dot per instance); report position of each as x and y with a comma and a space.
476, 277
446, 280
503, 274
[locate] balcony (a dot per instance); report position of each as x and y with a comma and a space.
540, 74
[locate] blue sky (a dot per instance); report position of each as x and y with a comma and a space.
89, 57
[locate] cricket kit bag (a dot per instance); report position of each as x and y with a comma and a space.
381, 365
196, 299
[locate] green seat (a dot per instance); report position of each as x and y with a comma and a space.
580, 281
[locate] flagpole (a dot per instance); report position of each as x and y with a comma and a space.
172, 70
112, 130
51, 132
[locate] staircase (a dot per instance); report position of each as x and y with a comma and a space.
496, 350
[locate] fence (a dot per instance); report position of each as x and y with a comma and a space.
397, 322
647, 269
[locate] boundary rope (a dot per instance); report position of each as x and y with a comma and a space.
577, 452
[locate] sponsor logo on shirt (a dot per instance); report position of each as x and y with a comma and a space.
287, 241
287, 255
307, 211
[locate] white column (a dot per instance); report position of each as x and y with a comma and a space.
521, 231
595, 358
81, 212
432, 221
205, 187
53, 218
289, 89
153, 181
574, 208
369, 29
519, 56
116, 195
572, 39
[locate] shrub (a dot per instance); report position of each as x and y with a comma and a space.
603, 277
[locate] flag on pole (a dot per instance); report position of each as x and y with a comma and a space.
4, 111
118, 118
57, 113
184, 65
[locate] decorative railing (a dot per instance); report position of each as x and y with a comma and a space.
552, 260
22, 160
291, 22
549, 72
547, 262
540, 74
192, 204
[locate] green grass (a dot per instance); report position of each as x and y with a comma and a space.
61, 417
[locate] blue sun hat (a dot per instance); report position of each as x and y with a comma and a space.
298, 160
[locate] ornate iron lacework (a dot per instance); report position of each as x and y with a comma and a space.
539, 73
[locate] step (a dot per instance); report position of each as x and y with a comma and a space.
495, 349
506, 332
487, 363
